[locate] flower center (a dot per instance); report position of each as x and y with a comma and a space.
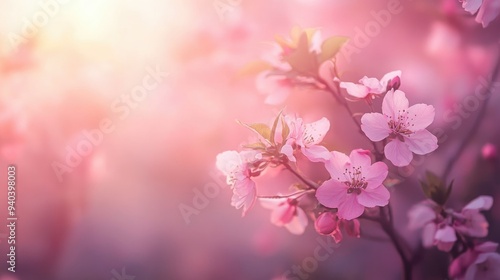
355, 180
401, 125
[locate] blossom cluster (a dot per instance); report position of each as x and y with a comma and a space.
356, 187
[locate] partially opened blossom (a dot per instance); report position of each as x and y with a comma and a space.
285, 212
237, 167
306, 139
370, 88
480, 262
405, 127
470, 221
355, 184
487, 10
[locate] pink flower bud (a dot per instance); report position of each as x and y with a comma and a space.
489, 151
394, 84
326, 223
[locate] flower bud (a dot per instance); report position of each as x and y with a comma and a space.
394, 84
489, 151
326, 223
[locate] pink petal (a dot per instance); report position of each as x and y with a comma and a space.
352, 228
360, 158
483, 202
350, 208
475, 225
421, 142
374, 197
488, 12
331, 193
287, 150
398, 153
420, 215
375, 126
420, 116
355, 90
244, 195
316, 153
228, 161
336, 165
487, 247
315, 132
393, 103
388, 77
372, 84
428, 234
471, 6
299, 222
326, 223
283, 214
337, 236
445, 238
375, 174
277, 88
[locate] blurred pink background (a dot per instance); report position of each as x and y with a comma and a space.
119, 207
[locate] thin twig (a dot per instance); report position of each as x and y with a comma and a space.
304, 180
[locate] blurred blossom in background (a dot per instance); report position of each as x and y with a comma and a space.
113, 112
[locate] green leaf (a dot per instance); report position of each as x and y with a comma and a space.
302, 60
275, 125
435, 189
331, 47
260, 128
255, 146
254, 68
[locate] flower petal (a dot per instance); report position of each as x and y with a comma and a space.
374, 197
375, 174
350, 208
244, 195
488, 12
360, 158
372, 84
421, 116
355, 90
315, 132
472, 6
287, 150
483, 202
420, 215
316, 153
393, 103
421, 142
388, 77
375, 126
336, 165
398, 153
299, 222
331, 193
428, 234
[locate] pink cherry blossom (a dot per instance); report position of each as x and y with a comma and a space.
405, 127
371, 87
355, 184
306, 137
285, 212
470, 221
479, 262
487, 10
237, 169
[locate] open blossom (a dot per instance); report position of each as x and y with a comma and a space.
328, 223
355, 184
237, 167
480, 262
441, 229
371, 87
487, 10
285, 212
306, 138
405, 126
